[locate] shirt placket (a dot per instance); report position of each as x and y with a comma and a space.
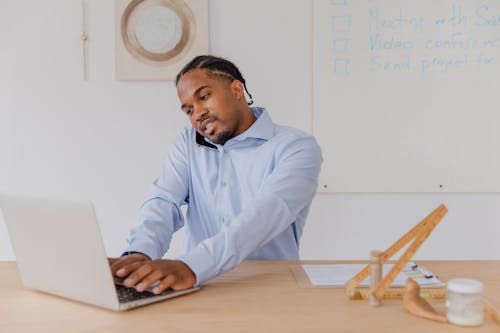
223, 188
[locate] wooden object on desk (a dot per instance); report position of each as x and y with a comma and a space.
375, 275
418, 306
256, 296
417, 236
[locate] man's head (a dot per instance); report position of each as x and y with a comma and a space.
212, 93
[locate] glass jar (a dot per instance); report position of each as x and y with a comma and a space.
464, 302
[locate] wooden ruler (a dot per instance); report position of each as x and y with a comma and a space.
418, 234
397, 293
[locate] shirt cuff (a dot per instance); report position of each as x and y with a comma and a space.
127, 253
201, 263
144, 248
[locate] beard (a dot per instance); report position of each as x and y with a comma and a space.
222, 137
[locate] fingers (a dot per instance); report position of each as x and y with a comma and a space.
170, 274
148, 281
179, 277
166, 283
116, 264
128, 269
138, 275
146, 275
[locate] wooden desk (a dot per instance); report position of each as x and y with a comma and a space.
257, 296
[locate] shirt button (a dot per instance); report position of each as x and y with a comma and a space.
221, 220
224, 184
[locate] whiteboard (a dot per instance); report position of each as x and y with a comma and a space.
406, 95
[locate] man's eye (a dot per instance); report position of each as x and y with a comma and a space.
189, 111
204, 97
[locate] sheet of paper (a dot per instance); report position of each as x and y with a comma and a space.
339, 274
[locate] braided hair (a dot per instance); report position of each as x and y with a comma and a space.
215, 66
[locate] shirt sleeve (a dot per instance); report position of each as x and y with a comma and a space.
160, 215
286, 191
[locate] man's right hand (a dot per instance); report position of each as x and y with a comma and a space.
123, 266
140, 272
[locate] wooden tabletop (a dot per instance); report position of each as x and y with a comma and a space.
257, 296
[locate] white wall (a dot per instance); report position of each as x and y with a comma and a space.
105, 140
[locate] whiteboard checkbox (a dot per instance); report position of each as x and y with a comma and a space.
341, 67
341, 23
340, 45
338, 2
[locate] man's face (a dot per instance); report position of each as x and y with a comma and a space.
213, 104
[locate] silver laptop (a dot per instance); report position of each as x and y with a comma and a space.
59, 250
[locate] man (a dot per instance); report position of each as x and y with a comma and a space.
248, 184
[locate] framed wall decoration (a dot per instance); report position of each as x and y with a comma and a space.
155, 38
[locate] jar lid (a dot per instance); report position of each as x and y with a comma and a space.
465, 286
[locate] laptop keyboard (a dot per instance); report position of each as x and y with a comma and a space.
130, 294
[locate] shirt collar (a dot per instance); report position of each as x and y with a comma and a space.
262, 128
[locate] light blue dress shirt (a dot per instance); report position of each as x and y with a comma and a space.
247, 199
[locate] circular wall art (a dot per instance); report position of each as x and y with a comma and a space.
159, 34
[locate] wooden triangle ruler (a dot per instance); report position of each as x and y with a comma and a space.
418, 234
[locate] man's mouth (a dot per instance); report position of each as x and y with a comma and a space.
208, 127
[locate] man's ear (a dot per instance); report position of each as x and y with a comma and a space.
238, 89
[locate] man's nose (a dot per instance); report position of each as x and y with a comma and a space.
199, 112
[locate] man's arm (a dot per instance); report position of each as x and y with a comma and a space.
160, 215
284, 194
